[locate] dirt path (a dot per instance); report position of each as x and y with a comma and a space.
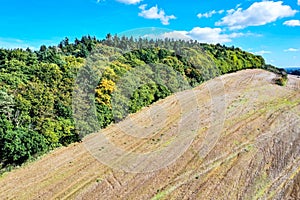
234, 137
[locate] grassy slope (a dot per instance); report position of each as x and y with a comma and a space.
256, 156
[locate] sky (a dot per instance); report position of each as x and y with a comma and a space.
267, 28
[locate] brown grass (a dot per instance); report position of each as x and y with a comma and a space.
257, 155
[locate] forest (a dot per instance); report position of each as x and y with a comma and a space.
293, 71
36, 86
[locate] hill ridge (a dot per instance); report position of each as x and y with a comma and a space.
255, 156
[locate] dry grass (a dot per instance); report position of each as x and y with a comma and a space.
257, 155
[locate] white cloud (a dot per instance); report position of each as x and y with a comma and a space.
209, 35
259, 13
177, 35
230, 11
11, 43
238, 5
129, 1
291, 50
205, 35
209, 14
299, 2
292, 23
155, 13
262, 52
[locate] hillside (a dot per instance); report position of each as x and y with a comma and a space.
37, 87
239, 137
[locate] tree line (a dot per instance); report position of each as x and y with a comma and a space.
36, 86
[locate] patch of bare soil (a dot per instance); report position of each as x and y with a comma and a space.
236, 137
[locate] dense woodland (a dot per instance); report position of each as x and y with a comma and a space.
294, 72
36, 86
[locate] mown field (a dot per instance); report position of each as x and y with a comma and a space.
243, 142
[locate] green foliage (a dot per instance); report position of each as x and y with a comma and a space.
19, 144
281, 78
281, 81
104, 115
146, 95
6, 104
36, 87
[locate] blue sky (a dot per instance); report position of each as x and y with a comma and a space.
268, 28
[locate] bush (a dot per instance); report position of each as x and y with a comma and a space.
281, 81
18, 145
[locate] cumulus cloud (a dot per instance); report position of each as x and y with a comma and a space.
259, 13
262, 52
155, 13
177, 35
230, 11
205, 35
292, 23
209, 35
291, 50
238, 5
129, 1
299, 2
209, 14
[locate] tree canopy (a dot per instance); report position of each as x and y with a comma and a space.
36, 86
